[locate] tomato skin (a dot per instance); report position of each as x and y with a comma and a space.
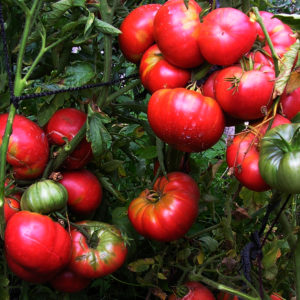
226, 34
137, 32
105, 257
84, 191
196, 291
156, 73
152, 214
226, 296
290, 103
36, 243
11, 206
69, 282
246, 100
280, 167
65, 123
28, 149
185, 119
176, 32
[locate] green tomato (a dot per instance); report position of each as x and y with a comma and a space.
44, 197
279, 161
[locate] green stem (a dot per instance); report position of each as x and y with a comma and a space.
206, 230
264, 29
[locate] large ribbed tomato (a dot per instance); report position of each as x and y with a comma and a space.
156, 73
137, 32
226, 34
168, 211
243, 94
100, 256
36, 244
185, 119
28, 148
84, 191
176, 32
290, 103
65, 124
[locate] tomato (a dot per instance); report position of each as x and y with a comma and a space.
279, 161
168, 211
84, 191
11, 201
65, 124
156, 73
185, 119
69, 282
44, 197
98, 258
244, 94
137, 32
28, 149
242, 155
261, 58
226, 34
196, 291
36, 243
276, 297
226, 296
290, 103
176, 32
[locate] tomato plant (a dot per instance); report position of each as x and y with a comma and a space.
153, 213
84, 191
185, 119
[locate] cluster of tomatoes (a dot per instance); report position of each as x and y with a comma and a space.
38, 248
170, 41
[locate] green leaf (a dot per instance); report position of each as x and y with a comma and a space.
49, 108
296, 119
106, 28
209, 243
4, 100
291, 20
3, 81
4, 293
160, 154
141, 265
111, 166
149, 152
89, 23
78, 74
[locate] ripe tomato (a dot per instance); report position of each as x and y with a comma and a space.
226, 34
176, 32
44, 197
11, 202
226, 296
153, 212
185, 119
84, 191
137, 32
243, 94
65, 123
242, 155
196, 291
36, 243
156, 73
69, 282
290, 103
94, 259
28, 148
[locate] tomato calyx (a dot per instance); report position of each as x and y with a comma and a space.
153, 196
181, 291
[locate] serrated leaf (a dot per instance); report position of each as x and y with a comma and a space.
89, 23
294, 82
106, 27
78, 74
148, 152
293, 20
140, 265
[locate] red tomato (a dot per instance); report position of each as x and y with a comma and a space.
156, 73
196, 291
226, 296
84, 191
11, 206
290, 103
244, 94
36, 243
276, 297
208, 86
65, 123
259, 57
94, 260
226, 34
69, 282
28, 148
176, 32
153, 212
137, 32
242, 155
185, 119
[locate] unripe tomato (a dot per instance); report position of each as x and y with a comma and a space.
65, 123
44, 197
84, 191
137, 32
28, 149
